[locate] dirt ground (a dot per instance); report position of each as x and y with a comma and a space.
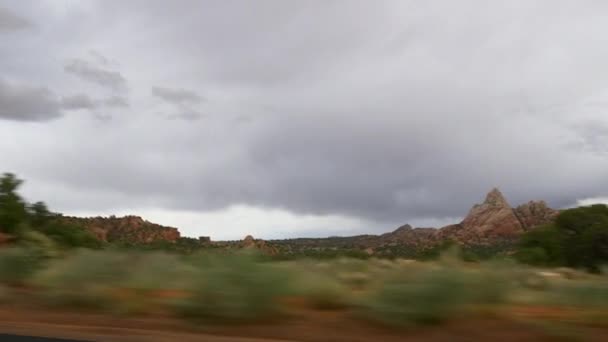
305, 326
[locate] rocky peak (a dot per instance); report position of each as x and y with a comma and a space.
494, 217
495, 198
403, 229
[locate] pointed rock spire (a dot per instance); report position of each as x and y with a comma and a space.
496, 198
493, 217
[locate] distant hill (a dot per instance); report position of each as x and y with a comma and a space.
491, 223
131, 229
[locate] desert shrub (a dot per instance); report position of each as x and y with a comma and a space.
584, 294
87, 279
38, 244
354, 280
70, 236
322, 292
154, 280
234, 288
159, 271
425, 297
17, 264
490, 284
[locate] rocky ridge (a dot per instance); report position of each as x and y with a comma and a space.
491, 222
132, 229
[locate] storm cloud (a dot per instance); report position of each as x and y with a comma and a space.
364, 115
95, 74
23, 102
77, 101
177, 96
10, 21
84, 101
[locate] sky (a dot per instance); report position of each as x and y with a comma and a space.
303, 118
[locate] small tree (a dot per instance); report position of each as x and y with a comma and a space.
39, 214
578, 238
12, 207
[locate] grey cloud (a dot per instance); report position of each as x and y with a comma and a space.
177, 96
95, 74
101, 59
116, 101
84, 101
27, 103
187, 115
77, 101
10, 21
593, 137
383, 111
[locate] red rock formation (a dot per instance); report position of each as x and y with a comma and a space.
131, 229
250, 243
495, 220
535, 213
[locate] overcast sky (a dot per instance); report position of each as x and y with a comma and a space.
303, 118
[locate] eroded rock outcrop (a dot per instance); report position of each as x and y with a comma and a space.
535, 213
133, 229
495, 220
250, 243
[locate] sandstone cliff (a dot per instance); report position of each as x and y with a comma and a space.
132, 229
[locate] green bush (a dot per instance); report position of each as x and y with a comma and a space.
322, 292
425, 297
432, 295
154, 280
234, 288
85, 279
593, 294
578, 238
17, 264
70, 236
38, 244
543, 246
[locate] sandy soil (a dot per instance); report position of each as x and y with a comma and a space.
305, 326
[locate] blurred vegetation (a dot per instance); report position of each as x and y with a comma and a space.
29, 224
61, 264
577, 238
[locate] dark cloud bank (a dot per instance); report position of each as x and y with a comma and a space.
384, 111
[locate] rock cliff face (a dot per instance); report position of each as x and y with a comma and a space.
495, 220
534, 213
131, 229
